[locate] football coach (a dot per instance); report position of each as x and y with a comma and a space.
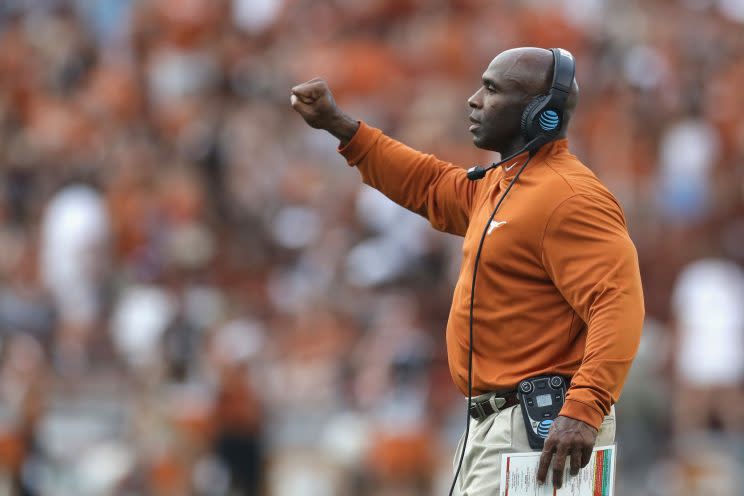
547, 311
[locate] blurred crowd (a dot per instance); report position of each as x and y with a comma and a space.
198, 296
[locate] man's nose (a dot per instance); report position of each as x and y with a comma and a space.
475, 100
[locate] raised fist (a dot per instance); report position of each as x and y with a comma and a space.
314, 102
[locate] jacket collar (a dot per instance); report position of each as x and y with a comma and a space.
510, 168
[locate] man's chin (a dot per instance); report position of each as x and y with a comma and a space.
479, 142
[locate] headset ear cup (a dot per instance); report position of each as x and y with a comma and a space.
529, 130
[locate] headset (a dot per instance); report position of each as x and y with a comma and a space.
543, 120
544, 117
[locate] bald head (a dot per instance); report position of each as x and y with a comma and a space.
527, 68
510, 82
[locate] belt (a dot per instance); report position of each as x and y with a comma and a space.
482, 408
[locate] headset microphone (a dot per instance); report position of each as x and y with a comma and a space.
477, 172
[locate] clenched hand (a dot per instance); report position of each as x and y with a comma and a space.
314, 101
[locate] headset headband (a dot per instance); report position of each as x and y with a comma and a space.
564, 69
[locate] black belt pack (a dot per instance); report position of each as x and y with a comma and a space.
542, 399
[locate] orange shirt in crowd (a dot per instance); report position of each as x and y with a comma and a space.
558, 287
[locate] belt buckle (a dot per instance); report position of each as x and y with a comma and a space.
480, 414
497, 403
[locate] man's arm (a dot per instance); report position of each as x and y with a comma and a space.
419, 182
592, 261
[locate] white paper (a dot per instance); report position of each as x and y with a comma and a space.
519, 475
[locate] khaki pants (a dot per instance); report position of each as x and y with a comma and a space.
502, 432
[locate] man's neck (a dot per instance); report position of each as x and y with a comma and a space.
513, 147
520, 142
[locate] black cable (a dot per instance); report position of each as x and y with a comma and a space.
472, 302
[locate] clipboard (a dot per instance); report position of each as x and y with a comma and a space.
519, 475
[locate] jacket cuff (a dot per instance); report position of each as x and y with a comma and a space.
360, 144
581, 411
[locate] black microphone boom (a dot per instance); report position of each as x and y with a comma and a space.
477, 172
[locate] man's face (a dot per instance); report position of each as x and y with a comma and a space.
497, 106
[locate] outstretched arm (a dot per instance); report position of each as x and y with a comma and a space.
419, 182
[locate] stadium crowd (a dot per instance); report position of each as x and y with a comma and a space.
197, 295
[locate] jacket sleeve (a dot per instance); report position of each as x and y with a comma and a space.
592, 261
437, 190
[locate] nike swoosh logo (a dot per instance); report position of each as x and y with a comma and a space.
495, 224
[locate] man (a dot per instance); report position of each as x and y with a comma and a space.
559, 289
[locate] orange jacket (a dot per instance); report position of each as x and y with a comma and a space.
558, 288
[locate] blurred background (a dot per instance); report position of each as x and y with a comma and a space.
198, 296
